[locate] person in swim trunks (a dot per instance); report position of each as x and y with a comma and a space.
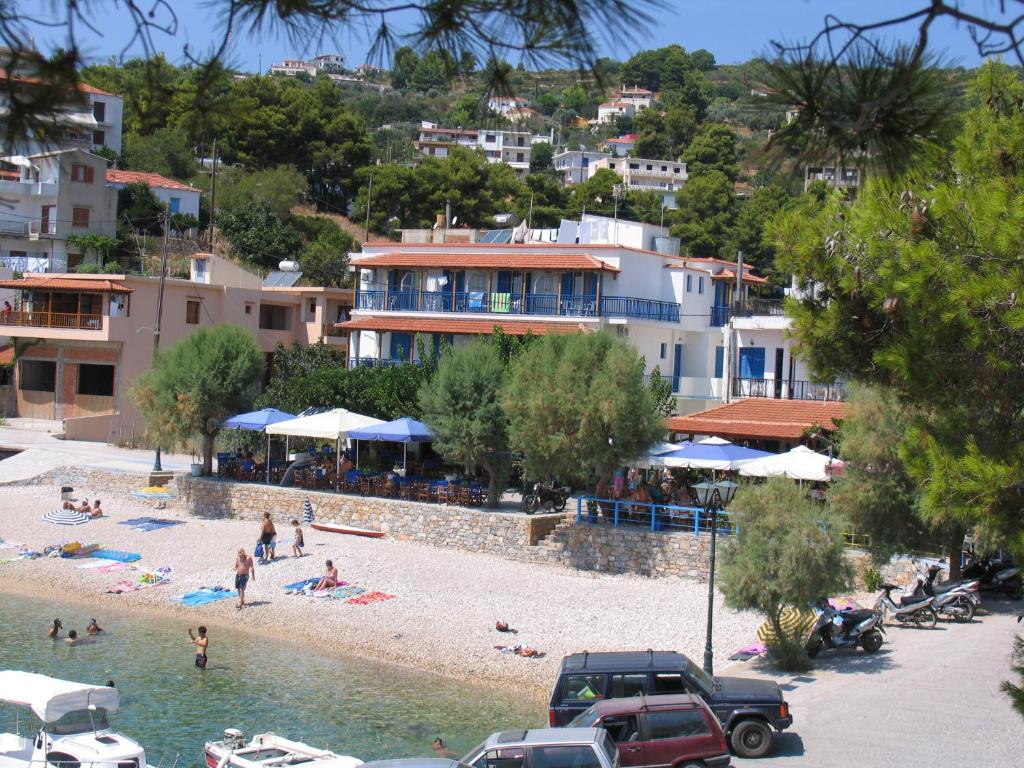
201, 643
268, 534
244, 570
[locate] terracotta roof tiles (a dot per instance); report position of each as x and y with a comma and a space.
83, 284
761, 418
150, 179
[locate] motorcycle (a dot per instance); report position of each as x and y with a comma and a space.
909, 610
954, 600
996, 576
844, 629
547, 496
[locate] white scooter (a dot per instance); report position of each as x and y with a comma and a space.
917, 611
957, 601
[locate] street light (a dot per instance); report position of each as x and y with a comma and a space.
713, 497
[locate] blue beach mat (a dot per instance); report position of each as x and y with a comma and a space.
302, 584
117, 554
206, 595
147, 524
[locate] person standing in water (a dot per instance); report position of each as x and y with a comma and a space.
244, 570
54, 631
201, 643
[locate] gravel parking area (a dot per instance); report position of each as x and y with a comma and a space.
442, 618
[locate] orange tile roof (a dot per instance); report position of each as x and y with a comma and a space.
82, 87
762, 418
567, 261
475, 327
66, 284
730, 274
151, 179
86, 88
6, 355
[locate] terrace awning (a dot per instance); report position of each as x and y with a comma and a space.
404, 430
70, 284
712, 453
257, 421
801, 463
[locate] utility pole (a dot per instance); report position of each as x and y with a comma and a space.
529, 216
369, 197
617, 191
157, 467
213, 199
447, 219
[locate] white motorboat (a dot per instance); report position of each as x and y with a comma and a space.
75, 730
268, 750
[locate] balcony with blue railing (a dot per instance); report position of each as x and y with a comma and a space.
498, 303
753, 306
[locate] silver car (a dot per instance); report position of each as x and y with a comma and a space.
546, 748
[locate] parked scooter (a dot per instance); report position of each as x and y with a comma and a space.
954, 600
996, 576
844, 629
548, 496
909, 610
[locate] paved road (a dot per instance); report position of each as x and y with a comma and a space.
927, 698
41, 452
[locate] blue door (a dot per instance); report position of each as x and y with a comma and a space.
752, 363
401, 346
677, 366
720, 309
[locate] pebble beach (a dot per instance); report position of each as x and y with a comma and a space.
441, 619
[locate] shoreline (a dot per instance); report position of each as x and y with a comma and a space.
441, 619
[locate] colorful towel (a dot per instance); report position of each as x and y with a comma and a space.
127, 586
205, 595
347, 592
110, 567
116, 554
369, 597
843, 603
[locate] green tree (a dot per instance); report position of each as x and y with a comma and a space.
462, 406
165, 151
661, 393
578, 407
541, 200
917, 288
103, 246
540, 157
576, 98
432, 72
139, 210
713, 149
783, 557
403, 65
258, 235
277, 189
704, 217
1016, 692
748, 231
196, 384
325, 260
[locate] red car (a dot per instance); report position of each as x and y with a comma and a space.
677, 731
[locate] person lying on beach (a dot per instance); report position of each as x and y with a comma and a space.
54, 631
72, 637
441, 749
201, 643
96, 511
330, 579
93, 628
85, 508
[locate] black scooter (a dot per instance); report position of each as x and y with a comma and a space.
845, 629
996, 576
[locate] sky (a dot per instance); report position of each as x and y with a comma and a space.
733, 30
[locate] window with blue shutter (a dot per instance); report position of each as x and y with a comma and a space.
719, 362
752, 363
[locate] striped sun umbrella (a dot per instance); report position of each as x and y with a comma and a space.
796, 623
66, 517
307, 511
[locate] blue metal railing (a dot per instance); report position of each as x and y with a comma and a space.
373, 362
719, 316
644, 309
666, 518
505, 303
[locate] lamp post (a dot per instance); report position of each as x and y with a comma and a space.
713, 497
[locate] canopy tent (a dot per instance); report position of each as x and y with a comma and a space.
801, 463
329, 425
403, 430
50, 698
711, 453
257, 421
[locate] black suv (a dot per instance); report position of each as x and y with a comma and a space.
748, 709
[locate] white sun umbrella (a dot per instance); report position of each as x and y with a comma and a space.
712, 453
329, 425
801, 463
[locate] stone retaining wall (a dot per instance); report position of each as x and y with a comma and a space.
88, 483
500, 533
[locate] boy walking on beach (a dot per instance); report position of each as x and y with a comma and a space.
298, 544
201, 643
244, 570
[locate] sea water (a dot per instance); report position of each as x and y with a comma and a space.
351, 706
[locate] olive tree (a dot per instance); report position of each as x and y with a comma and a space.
197, 383
784, 556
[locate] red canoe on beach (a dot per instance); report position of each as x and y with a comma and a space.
334, 528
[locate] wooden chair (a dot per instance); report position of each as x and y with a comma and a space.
425, 492
365, 485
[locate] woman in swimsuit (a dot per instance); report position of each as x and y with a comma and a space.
267, 535
330, 578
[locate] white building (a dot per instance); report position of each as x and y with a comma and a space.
505, 104
56, 194
511, 147
574, 164
662, 176
178, 196
620, 146
834, 174
91, 119
639, 97
618, 276
331, 63
610, 111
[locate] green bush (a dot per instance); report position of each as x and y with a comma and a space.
872, 579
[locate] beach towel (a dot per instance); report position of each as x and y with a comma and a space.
311, 581
125, 585
205, 595
843, 603
116, 554
147, 524
111, 566
369, 597
748, 652
347, 592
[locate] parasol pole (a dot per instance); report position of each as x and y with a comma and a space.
405, 458
268, 457
337, 461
